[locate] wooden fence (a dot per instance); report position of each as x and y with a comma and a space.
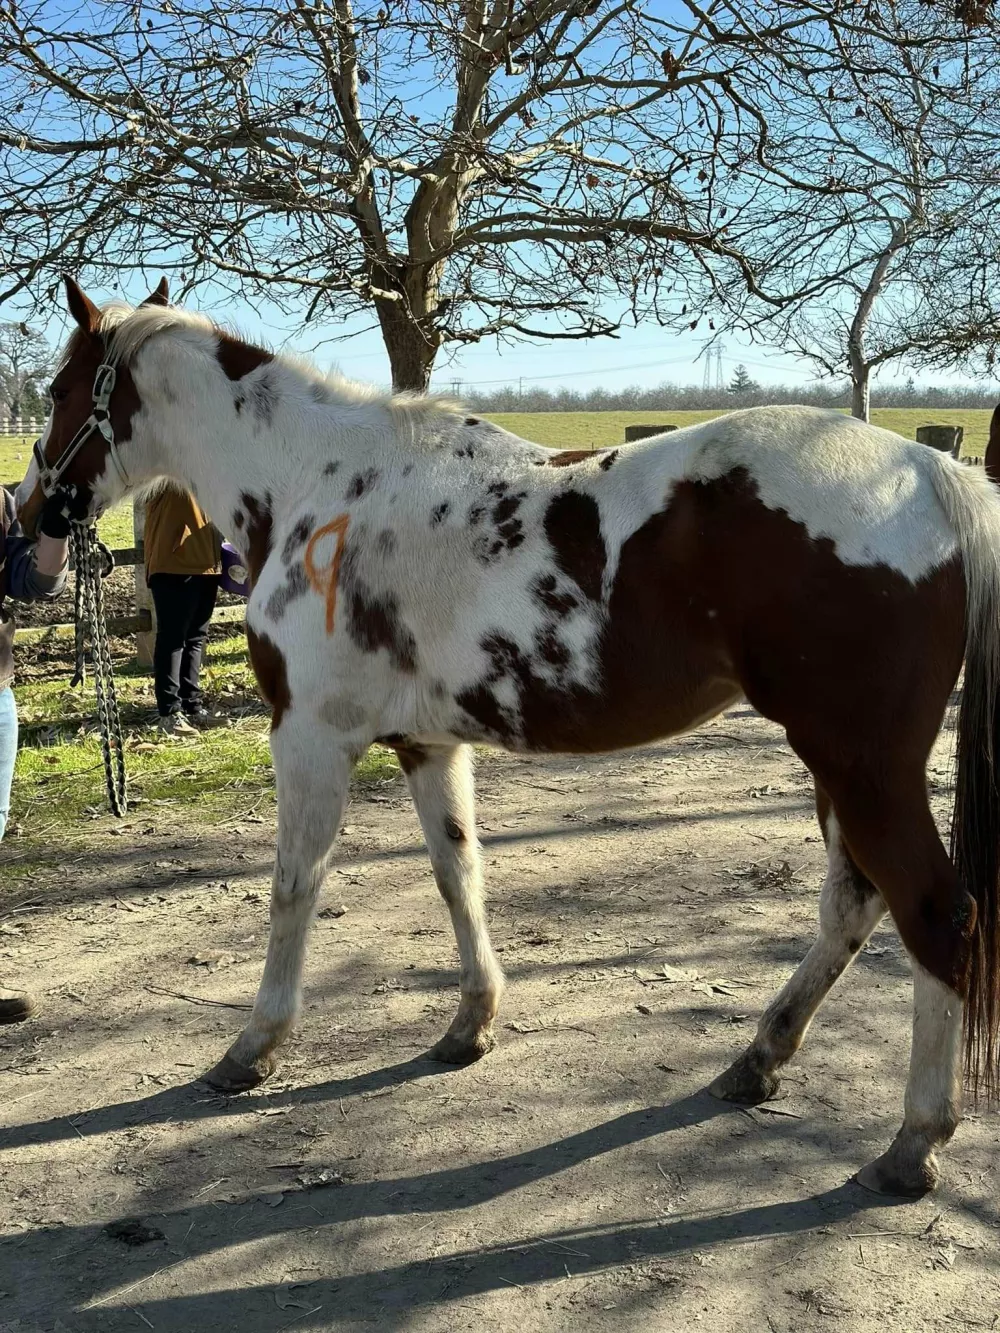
142, 624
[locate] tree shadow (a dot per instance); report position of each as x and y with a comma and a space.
392, 1294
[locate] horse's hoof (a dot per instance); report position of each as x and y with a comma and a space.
231, 1077
453, 1050
16, 1008
891, 1174
745, 1084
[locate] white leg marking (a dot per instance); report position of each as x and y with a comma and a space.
442, 791
312, 771
848, 913
933, 1092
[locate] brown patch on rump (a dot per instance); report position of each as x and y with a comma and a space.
269, 667
573, 527
567, 457
259, 524
238, 358
718, 595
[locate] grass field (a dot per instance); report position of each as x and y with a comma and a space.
595, 430
60, 775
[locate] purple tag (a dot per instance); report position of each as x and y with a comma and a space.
235, 575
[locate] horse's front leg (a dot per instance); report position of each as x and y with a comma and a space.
440, 779
312, 767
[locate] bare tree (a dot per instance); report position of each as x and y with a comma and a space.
890, 158
25, 358
459, 169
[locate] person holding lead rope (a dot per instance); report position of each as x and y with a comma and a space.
31, 571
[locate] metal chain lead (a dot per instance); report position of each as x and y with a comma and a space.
89, 555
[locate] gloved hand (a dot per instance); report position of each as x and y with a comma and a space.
59, 512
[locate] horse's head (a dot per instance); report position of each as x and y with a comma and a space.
93, 402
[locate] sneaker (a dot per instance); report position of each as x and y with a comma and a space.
15, 1008
175, 724
202, 718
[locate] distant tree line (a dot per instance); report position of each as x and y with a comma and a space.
693, 397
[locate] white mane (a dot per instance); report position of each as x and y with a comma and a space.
132, 328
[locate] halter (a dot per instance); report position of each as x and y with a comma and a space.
49, 475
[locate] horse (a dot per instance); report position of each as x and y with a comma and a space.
424, 578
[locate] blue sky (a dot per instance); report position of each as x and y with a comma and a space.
644, 356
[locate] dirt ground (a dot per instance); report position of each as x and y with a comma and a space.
647, 906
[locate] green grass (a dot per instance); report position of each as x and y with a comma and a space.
15, 455
595, 430
59, 777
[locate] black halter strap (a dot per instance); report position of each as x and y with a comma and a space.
99, 421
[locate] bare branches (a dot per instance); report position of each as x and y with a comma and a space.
467, 169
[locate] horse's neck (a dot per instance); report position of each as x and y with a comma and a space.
225, 463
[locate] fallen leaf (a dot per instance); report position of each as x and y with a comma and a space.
671, 973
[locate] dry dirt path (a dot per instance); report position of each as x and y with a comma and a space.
577, 1178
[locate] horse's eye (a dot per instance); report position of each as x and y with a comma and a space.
56, 394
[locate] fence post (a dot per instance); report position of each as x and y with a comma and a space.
143, 597
948, 439
644, 432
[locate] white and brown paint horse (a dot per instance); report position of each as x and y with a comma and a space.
426, 578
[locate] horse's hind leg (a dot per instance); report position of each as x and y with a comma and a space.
894, 839
849, 910
440, 779
312, 771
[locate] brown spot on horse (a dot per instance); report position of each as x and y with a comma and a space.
573, 527
259, 526
271, 671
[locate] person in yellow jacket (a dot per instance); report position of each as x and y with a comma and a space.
183, 563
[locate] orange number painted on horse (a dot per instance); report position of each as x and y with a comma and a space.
324, 577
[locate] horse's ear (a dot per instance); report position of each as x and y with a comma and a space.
161, 295
81, 307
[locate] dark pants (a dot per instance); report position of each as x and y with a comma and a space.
184, 606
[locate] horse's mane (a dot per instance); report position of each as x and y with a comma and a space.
132, 328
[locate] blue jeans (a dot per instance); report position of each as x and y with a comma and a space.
8, 752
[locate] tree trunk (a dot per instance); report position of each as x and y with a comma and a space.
860, 392
411, 355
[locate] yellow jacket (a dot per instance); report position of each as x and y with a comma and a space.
180, 538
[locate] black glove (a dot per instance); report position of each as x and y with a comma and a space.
60, 510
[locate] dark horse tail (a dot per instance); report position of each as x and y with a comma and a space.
992, 459
973, 506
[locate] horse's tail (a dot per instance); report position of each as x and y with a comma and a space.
972, 504
992, 459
